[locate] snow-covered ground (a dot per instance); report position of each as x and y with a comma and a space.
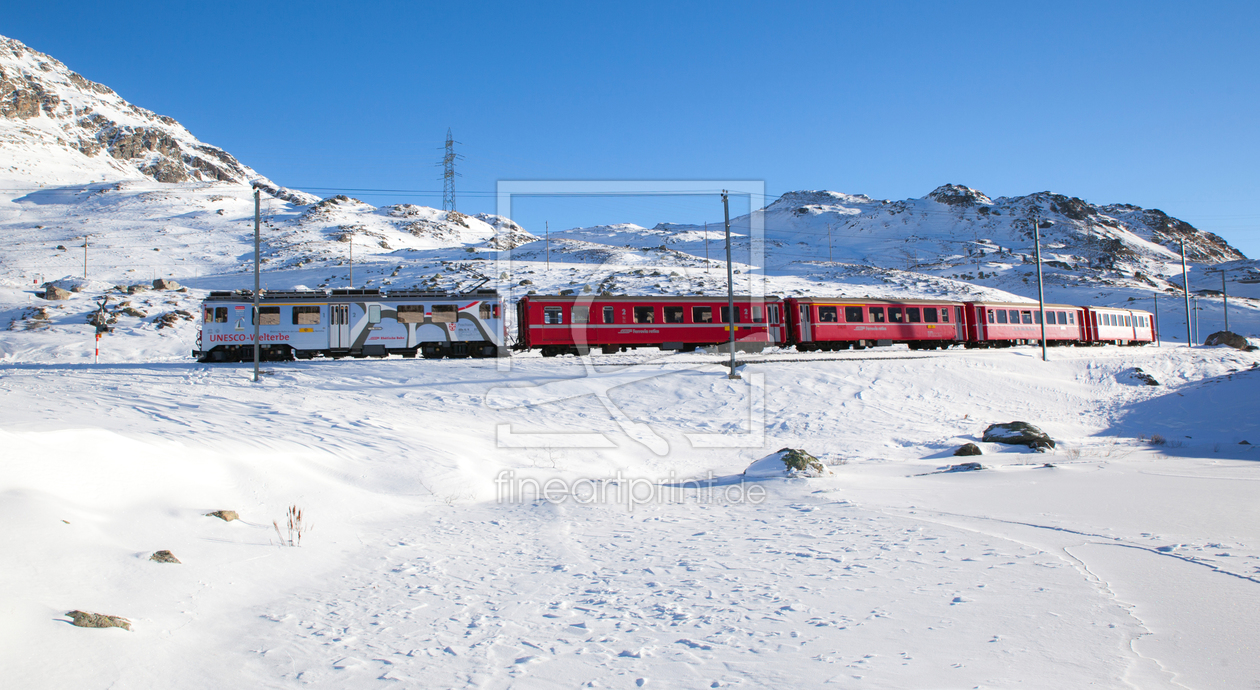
1110, 561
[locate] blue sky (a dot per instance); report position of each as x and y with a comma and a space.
1149, 103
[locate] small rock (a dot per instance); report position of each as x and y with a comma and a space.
52, 292
527, 281
1018, 434
133, 289
164, 556
1142, 377
61, 247
225, 515
965, 467
1227, 338
132, 311
165, 284
968, 449
566, 293
83, 619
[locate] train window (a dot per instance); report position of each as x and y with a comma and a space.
990, 313
1037, 316
1025, 317
447, 313
1072, 318
895, 315
608, 315
1127, 323
305, 316
877, 314
581, 314
551, 315
828, 315
1014, 316
1001, 315
673, 314
772, 312
220, 314
374, 313
702, 314
410, 313
853, 314
484, 310
757, 318
644, 314
912, 315
725, 314
929, 314
945, 314
269, 316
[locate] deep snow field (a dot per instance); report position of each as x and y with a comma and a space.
438, 554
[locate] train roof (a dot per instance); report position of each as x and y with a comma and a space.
652, 298
873, 300
1025, 305
342, 295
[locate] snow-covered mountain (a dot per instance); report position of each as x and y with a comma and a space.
59, 128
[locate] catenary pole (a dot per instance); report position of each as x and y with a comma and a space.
730, 283
547, 242
1155, 316
1041, 297
257, 250
1185, 290
351, 259
830, 258
85, 244
706, 247
1225, 299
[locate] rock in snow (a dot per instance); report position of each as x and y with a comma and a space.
787, 462
83, 619
1225, 338
1018, 434
968, 449
164, 556
225, 515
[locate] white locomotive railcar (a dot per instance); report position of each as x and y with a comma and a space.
351, 323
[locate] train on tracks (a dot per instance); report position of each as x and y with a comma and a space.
434, 324
304, 324
575, 325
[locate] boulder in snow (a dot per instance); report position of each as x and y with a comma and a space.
1018, 434
1227, 338
52, 292
224, 515
1140, 376
787, 462
968, 449
165, 284
83, 619
965, 467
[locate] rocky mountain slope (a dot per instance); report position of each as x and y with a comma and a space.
58, 127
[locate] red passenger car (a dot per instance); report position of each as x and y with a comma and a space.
817, 323
1003, 324
1106, 325
573, 325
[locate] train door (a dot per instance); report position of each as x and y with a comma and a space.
339, 326
807, 331
773, 323
959, 325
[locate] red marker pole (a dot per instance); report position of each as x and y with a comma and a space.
97, 356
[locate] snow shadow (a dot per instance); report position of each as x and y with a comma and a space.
1210, 418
